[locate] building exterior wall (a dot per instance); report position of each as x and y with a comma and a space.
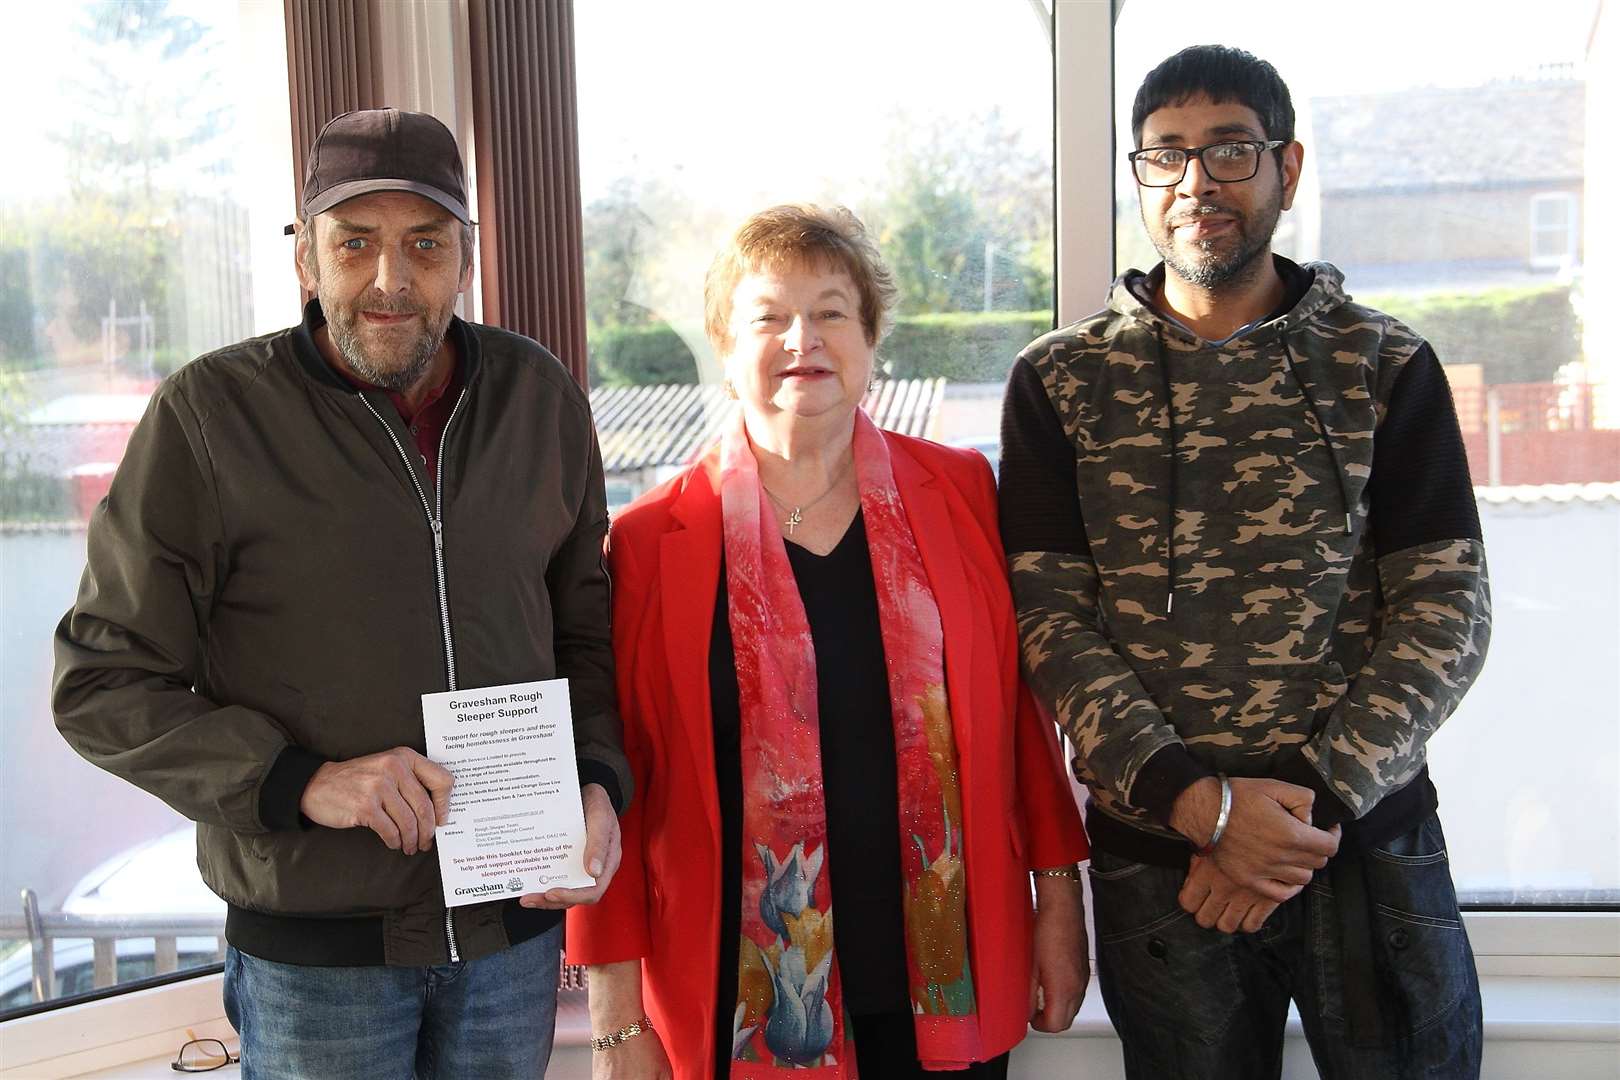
1443, 225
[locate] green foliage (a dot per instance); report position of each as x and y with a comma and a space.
963, 346
640, 356
929, 242
27, 494
17, 342
960, 346
1515, 335
139, 126
615, 231
961, 211
110, 253
13, 401
967, 201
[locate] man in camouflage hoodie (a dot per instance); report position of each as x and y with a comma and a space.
1250, 585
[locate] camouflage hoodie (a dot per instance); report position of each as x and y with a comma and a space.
1303, 621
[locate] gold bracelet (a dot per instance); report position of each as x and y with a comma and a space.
623, 1035
1072, 872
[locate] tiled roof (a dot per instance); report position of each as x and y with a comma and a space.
1501, 132
640, 427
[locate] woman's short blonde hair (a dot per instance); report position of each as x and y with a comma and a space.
796, 235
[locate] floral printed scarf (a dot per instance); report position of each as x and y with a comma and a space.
789, 997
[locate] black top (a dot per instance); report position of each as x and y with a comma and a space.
858, 774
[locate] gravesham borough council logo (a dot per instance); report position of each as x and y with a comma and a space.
515, 885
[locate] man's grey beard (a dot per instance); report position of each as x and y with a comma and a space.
397, 378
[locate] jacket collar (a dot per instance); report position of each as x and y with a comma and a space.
1319, 287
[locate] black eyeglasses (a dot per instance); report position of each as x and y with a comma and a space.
1225, 162
203, 1055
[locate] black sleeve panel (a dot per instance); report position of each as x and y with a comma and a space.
1420, 489
1040, 500
1171, 770
1328, 810
594, 772
283, 788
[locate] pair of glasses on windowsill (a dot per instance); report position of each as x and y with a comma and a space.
1229, 162
203, 1055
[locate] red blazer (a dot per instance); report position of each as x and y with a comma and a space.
1019, 813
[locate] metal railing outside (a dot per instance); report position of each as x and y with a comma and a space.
43, 930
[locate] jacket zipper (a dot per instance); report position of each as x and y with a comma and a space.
435, 520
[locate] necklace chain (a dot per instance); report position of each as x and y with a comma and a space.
795, 513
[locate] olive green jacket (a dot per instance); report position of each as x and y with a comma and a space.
273, 582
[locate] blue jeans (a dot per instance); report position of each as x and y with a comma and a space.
1373, 952
490, 1017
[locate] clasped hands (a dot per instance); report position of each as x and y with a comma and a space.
402, 797
1266, 855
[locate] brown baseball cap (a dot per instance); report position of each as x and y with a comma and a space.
385, 150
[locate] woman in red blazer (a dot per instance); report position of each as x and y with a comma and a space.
818, 674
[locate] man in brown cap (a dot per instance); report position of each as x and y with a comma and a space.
310, 530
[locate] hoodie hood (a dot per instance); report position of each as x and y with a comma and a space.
1128, 296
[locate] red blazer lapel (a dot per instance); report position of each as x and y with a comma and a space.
688, 575
931, 526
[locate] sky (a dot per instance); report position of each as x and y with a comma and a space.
750, 97
745, 95
741, 94
1365, 46
741, 103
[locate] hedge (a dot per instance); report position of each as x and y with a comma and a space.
640, 356
28, 495
1516, 335
961, 346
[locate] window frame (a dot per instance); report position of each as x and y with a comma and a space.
1563, 951
1571, 230
150, 1021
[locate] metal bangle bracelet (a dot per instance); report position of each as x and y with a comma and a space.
1220, 819
623, 1035
1071, 871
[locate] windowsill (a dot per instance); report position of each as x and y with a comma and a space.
1561, 1015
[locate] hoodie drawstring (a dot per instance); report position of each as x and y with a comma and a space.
1322, 431
1170, 487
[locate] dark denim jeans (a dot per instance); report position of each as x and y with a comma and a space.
1388, 993
491, 1017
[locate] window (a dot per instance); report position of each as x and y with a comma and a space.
1528, 763
1553, 233
1418, 166
932, 122
134, 238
